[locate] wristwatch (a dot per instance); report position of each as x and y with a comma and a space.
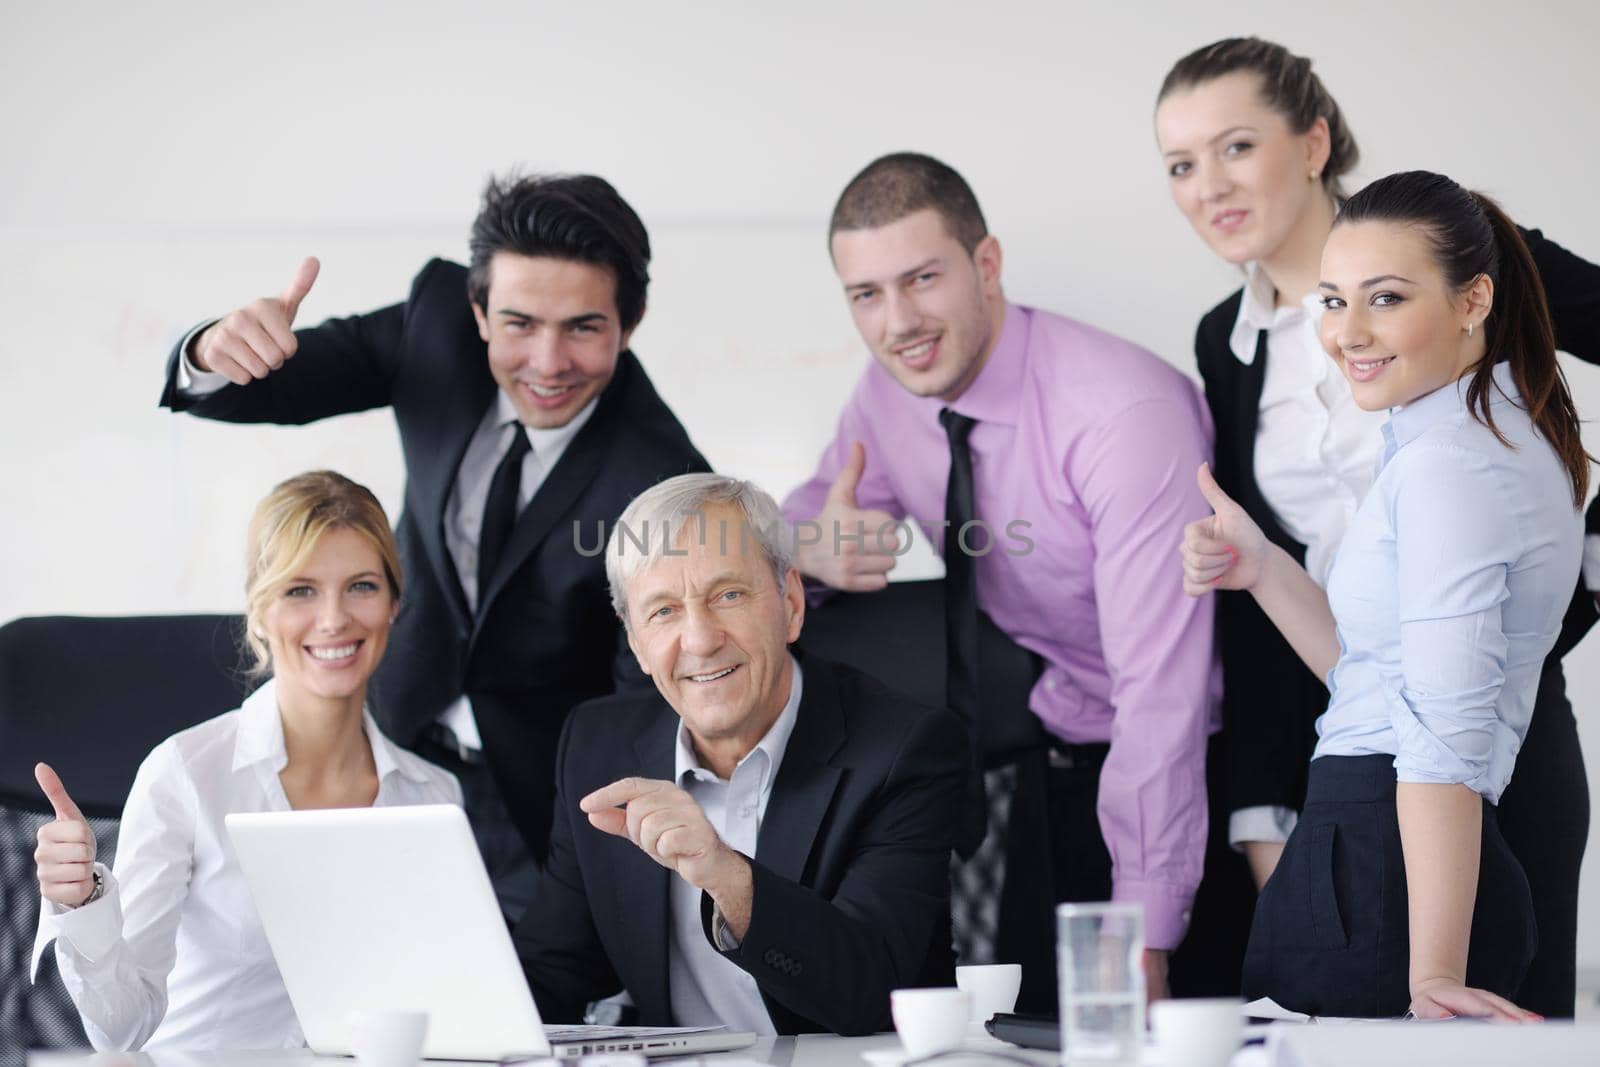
99, 887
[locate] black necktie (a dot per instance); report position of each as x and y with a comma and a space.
975, 884
500, 509
960, 581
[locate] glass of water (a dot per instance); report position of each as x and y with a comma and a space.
1100, 965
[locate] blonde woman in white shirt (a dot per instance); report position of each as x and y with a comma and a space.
166, 950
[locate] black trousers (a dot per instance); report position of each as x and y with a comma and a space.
1331, 934
1055, 853
1209, 961
1076, 867
1544, 816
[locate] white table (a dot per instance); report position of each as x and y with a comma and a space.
810, 1050
1378, 1044
1457, 1043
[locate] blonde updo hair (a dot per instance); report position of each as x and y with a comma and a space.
285, 530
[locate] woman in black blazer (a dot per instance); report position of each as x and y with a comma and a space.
1255, 148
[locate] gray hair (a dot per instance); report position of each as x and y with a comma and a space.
655, 519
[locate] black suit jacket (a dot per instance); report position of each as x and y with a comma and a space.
1270, 700
852, 864
544, 637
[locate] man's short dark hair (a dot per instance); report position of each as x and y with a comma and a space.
902, 183
563, 216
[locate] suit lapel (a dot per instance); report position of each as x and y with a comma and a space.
1251, 378
643, 887
573, 474
1251, 383
806, 781
460, 411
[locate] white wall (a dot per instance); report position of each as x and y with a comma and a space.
160, 163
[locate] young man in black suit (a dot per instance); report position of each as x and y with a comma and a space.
765, 842
524, 420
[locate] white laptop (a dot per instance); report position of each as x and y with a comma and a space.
390, 908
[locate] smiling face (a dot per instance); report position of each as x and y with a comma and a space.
553, 334
711, 627
929, 312
1237, 171
1391, 321
328, 624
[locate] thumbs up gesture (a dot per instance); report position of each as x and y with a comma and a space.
65, 856
857, 547
253, 341
1225, 550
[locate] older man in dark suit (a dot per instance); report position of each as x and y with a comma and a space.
526, 423
765, 842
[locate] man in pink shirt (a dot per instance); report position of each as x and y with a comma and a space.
1082, 475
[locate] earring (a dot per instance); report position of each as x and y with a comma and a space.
1469, 329
1311, 175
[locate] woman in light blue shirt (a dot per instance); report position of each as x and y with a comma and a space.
1395, 889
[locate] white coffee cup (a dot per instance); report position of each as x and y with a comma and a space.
930, 1020
1199, 1032
388, 1038
993, 987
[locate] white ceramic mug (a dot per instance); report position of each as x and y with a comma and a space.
993, 987
388, 1038
930, 1020
1199, 1032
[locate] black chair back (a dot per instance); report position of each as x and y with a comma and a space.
897, 636
92, 696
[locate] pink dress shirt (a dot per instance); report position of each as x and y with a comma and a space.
1093, 442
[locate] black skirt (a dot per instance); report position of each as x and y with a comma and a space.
1331, 934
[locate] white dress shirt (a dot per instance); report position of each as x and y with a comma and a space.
469, 493
708, 989
1315, 452
173, 955
1315, 448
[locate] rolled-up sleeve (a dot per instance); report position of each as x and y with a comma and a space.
1455, 540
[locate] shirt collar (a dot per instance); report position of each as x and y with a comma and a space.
1410, 421
1258, 311
773, 744
259, 738
997, 392
545, 443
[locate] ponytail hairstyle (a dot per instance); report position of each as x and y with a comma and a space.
1288, 86
1470, 236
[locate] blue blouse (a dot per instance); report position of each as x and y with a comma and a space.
1449, 590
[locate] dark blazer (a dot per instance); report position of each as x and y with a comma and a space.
544, 637
852, 865
1270, 701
